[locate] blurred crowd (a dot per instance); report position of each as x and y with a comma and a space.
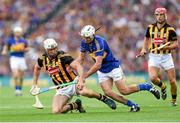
123, 24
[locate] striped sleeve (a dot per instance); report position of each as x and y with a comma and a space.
66, 58
172, 35
99, 48
40, 61
147, 33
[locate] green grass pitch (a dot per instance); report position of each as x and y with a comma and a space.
20, 109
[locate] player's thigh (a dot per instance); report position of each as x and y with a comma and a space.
86, 92
22, 65
171, 75
107, 85
121, 85
58, 102
153, 72
20, 73
15, 72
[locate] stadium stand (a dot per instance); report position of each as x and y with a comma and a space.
123, 24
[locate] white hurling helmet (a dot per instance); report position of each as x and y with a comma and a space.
87, 31
50, 44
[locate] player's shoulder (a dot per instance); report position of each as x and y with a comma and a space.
169, 27
150, 25
62, 54
42, 56
10, 39
98, 37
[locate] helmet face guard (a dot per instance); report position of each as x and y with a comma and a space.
88, 33
50, 47
52, 53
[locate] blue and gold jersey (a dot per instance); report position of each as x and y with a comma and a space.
99, 47
15, 47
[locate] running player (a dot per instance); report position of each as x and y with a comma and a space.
108, 68
17, 46
156, 35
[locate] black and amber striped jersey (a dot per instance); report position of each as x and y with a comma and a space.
159, 37
57, 67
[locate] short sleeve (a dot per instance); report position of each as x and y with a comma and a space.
66, 58
40, 62
147, 34
172, 35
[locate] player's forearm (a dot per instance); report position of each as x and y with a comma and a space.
79, 70
81, 58
145, 44
94, 69
5, 50
172, 46
36, 75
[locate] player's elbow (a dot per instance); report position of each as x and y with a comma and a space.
98, 65
176, 46
36, 69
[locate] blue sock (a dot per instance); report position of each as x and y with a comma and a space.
18, 87
130, 103
144, 86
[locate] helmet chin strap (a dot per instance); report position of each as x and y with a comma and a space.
51, 56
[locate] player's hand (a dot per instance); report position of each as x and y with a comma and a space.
142, 53
162, 48
85, 75
4, 53
34, 90
80, 84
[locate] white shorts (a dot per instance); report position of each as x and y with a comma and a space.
164, 61
68, 91
18, 63
115, 74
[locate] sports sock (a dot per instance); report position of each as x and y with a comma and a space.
102, 97
17, 87
174, 97
130, 103
73, 106
144, 86
161, 85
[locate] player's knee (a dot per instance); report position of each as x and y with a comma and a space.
153, 78
55, 111
172, 81
124, 92
83, 92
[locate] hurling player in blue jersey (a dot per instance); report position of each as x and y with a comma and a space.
16, 45
108, 68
